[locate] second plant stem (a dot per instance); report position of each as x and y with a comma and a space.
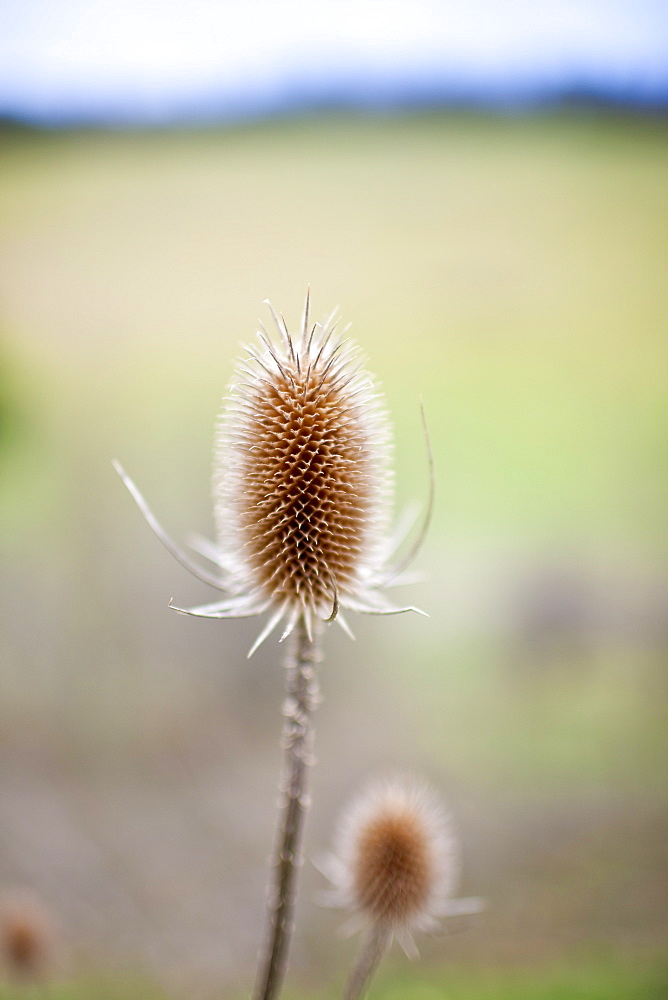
377, 942
301, 700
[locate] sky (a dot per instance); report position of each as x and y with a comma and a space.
166, 59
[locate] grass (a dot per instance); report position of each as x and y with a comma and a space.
639, 979
87, 988
588, 982
510, 271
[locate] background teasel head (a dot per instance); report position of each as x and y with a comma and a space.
27, 937
396, 861
302, 485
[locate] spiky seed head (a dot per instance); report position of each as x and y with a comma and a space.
396, 858
302, 487
302, 481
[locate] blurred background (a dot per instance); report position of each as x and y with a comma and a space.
483, 189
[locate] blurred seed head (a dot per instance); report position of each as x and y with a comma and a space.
26, 935
396, 859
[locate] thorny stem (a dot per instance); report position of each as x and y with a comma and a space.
376, 944
301, 699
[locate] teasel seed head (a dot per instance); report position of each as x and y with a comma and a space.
396, 860
302, 479
26, 934
302, 486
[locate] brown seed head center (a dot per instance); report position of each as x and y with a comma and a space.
394, 868
305, 474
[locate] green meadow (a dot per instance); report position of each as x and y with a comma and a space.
511, 273
643, 980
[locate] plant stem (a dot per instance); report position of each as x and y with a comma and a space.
301, 700
376, 944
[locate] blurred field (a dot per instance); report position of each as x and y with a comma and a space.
643, 980
512, 272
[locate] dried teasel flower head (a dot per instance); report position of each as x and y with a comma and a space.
302, 479
396, 861
302, 485
26, 934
